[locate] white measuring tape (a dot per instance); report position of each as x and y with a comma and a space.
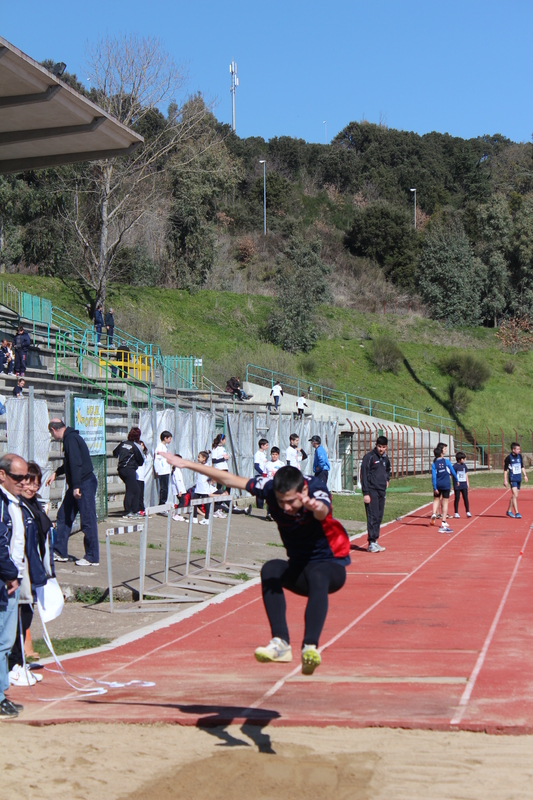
85, 686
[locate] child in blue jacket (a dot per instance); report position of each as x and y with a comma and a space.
441, 469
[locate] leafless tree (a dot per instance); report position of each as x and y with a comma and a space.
131, 77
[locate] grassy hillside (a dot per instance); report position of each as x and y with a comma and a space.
225, 329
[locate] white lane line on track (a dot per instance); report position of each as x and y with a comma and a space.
279, 684
75, 696
463, 702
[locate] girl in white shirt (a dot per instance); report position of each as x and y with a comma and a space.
162, 467
219, 459
203, 488
177, 486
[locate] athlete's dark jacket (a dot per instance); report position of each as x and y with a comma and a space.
77, 465
22, 342
375, 472
129, 455
304, 537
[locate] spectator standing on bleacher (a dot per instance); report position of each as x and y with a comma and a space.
130, 458
80, 496
98, 322
301, 405
110, 327
277, 393
22, 344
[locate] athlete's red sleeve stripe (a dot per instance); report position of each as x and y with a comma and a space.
336, 536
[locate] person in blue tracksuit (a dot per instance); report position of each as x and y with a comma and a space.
514, 469
375, 476
462, 485
321, 465
441, 470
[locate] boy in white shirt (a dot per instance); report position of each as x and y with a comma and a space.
294, 455
271, 468
162, 467
300, 405
277, 394
178, 490
260, 461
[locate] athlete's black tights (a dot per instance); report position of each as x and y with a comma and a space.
463, 490
314, 580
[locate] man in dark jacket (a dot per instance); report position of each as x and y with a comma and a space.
375, 477
98, 322
80, 495
110, 327
22, 344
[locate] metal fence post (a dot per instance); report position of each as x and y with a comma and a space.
31, 423
67, 408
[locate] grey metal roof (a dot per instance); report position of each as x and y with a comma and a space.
45, 123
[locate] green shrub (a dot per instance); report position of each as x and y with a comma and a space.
459, 398
386, 354
467, 370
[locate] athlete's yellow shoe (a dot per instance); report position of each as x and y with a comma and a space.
276, 650
310, 659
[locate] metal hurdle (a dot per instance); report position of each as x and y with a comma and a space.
218, 573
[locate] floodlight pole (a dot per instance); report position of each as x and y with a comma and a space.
234, 84
325, 132
414, 190
263, 162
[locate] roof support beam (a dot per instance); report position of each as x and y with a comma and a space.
28, 99
11, 137
42, 162
3, 51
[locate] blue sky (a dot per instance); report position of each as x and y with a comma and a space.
461, 67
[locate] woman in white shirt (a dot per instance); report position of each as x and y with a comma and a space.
219, 459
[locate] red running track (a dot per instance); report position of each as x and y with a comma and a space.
435, 632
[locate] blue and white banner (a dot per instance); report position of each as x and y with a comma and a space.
89, 421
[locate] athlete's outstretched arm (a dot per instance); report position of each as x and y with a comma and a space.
217, 475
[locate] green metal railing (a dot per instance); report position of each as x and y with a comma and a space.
350, 402
71, 358
27, 306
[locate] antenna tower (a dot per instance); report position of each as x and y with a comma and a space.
234, 84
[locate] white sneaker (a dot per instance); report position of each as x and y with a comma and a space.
468, 514
456, 516
220, 515
195, 521
82, 562
276, 650
19, 676
178, 518
204, 522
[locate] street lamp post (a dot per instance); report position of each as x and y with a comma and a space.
414, 190
325, 132
263, 162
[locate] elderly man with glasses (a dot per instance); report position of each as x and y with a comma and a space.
13, 572
80, 496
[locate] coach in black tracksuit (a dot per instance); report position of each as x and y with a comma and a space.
375, 477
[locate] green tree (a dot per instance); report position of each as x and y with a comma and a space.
301, 284
385, 234
449, 276
494, 228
